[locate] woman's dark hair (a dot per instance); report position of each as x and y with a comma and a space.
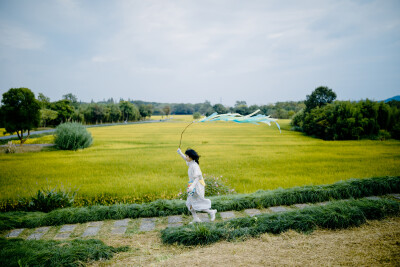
193, 155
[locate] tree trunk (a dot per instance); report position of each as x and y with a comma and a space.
21, 137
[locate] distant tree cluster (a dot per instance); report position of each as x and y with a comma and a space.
325, 118
279, 110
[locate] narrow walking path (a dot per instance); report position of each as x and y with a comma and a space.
136, 226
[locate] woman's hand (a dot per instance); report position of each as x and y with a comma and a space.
190, 189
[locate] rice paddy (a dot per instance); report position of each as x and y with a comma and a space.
139, 161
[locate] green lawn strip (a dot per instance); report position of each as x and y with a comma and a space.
335, 215
353, 188
19, 252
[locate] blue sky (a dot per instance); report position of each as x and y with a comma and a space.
191, 51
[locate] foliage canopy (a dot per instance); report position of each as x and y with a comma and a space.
20, 112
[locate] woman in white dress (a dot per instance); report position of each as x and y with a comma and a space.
196, 201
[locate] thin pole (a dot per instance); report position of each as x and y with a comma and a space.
180, 142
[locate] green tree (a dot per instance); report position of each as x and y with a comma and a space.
72, 98
167, 110
129, 111
145, 110
44, 101
64, 110
20, 111
47, 115
319, 97
115, 113
220, 109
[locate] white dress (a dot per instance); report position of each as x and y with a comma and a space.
197, 200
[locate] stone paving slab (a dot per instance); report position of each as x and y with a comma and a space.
118, 231
395, 195
95, 224
174, 225
301, 206
39, 232
373, 198
323, 203
62, 235
174, 219
91, 231
252, 212
203, 217
67, 228
147, 224
227, 215
121, 223
15, 232
35, 236
278, 209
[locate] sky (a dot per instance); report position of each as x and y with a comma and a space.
187, 51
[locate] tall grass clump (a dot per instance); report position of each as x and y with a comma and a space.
19, 252
72, 136
48, 199
335, 215
10, 148
215, 186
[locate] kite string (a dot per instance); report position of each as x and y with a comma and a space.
180, 142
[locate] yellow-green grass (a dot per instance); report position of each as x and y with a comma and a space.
47, 139
2, 132
140, 161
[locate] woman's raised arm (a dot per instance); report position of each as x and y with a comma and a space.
181, 154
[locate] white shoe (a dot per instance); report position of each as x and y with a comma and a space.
195, 220
212, 214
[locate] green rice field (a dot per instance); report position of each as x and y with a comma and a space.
139, 162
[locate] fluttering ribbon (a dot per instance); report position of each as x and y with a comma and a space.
235, 117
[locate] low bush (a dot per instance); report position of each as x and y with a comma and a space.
19, 252
335, 215
10, 148
72, 136
215, 186
50, 199
353, 188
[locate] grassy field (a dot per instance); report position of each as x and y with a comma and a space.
140, 161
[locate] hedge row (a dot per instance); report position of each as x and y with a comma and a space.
335, 215
353, 188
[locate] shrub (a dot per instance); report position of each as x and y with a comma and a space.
72, 136
50, 199
196, 115
345, 120
19, 252
10, 148
215, 186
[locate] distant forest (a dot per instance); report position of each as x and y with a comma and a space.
109, 111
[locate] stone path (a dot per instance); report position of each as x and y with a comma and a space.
121, 227
65, 231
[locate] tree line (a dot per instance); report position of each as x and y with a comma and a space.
109, 111
319, 115
325, 118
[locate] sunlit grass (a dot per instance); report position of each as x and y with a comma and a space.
2, 132
140, 160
